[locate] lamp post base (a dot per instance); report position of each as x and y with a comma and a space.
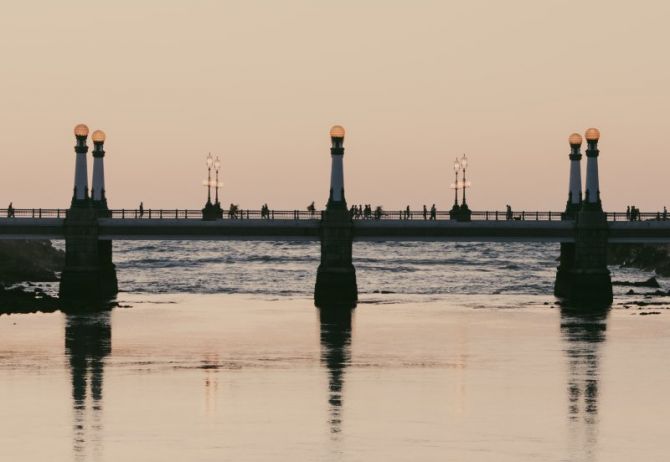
212, 212
464, 213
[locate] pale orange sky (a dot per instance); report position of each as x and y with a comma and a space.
415, 84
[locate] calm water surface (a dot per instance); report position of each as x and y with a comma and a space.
216, 355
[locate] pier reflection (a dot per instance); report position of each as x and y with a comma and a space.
335, 356
88, 339
583, 333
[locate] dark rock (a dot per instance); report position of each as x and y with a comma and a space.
650, 257
630, 292
651, 282
29, 261
20, 300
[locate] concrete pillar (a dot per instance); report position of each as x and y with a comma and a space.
592, 182
85, 276
80, 195
575, 188
89, 272
98, 185
590, 284
567, 258
99, 198
336, 276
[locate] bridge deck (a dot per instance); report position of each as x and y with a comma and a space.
652, 231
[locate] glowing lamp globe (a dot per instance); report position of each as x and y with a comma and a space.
81, 130
98, 136
592, 134
337, 131
575, 139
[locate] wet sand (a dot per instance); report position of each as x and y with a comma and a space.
228, 377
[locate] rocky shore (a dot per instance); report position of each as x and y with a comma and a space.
645, 257
33, 261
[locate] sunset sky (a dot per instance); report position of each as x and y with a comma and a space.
415, 84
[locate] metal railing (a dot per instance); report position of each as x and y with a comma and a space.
413, 215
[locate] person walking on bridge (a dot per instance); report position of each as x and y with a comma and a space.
665, 213
10, 211
433, 213
141, 209
425, 212
311, 209
508, 213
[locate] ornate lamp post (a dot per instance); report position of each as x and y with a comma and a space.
209, 179
217, 204
453, 213
464, 166
211, 211
217, 166
464, 213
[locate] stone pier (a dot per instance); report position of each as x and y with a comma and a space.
336, 276
89, 272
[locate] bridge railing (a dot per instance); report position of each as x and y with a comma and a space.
188, 214
415, 215
33, 213
491, 215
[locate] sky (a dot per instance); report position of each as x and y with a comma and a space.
259, 83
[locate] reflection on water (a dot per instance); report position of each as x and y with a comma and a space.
583, 333
88, 340
335, 356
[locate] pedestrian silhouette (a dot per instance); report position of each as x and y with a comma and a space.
141, 209
508, 213
10, 211
433, 212
425, 212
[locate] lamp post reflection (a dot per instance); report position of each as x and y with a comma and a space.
583, 333
88, 339
335, 356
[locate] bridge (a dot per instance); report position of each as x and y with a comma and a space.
484, 226
89, 226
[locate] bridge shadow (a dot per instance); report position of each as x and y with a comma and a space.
583, 333
88, 341
335, 356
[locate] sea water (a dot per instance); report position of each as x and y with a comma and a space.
456, 351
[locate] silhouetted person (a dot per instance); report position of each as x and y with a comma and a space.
508, 213
141, 209
425, 212
628, 213
407, 213
433, 213
665, 213
10, 211
311, 209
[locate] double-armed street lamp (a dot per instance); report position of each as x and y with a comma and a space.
212, 211
460, 212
